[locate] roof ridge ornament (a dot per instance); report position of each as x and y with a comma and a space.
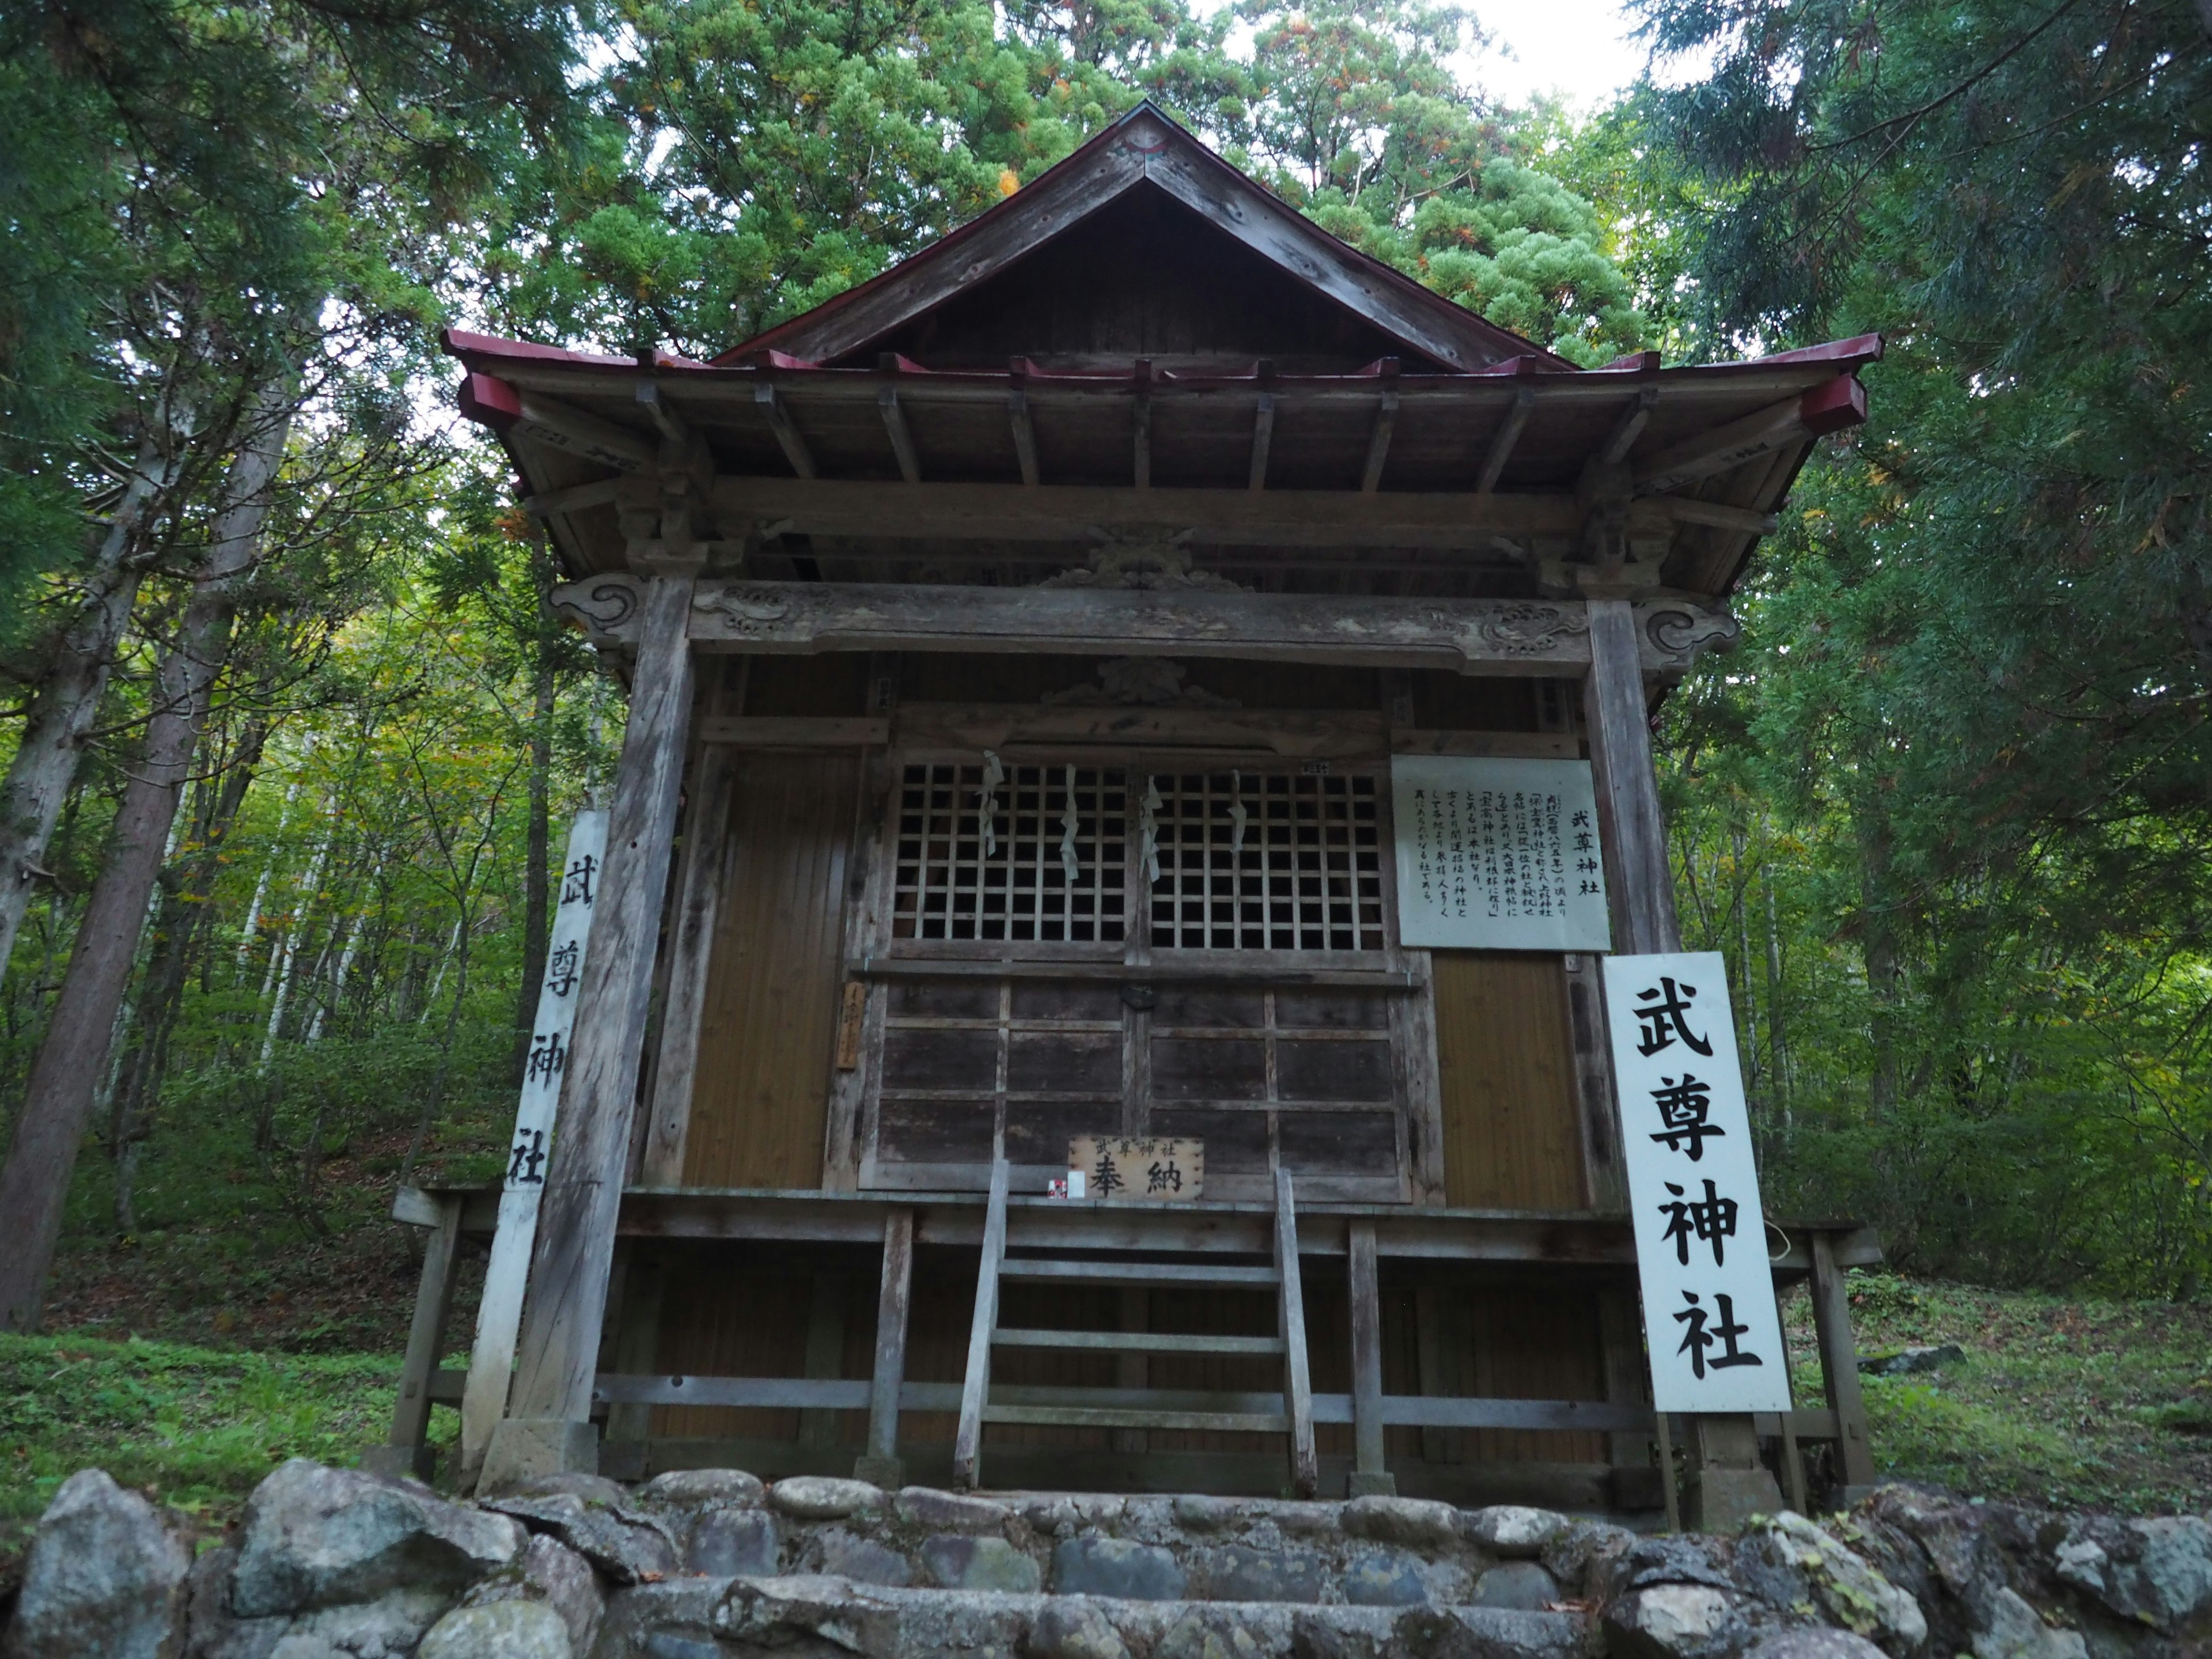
1145, 558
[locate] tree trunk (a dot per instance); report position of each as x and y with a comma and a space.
65, 1077
289, 955
1878, 942
1775, 1045
536, 880
177, 930
67, 696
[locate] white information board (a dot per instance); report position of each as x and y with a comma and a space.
1709, 1313
499, 1315
1498, 854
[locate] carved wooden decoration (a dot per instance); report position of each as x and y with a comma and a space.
1472, 636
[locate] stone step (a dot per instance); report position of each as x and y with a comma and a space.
711, 1618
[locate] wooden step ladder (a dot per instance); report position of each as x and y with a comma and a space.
1143, 1409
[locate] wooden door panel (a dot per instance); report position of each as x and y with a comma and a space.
1506, 1069
769, 1029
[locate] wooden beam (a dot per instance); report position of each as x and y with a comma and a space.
1025, 450
671, 424
1633, 832
1501, 447
1629, 427
1291, 732
976, 1384
1839, 1363
426, 1335
909, 463
785, 430
1144, 441
1370, 1476
1213, 518
574, 499
690, 942
1297, 1381
1263, 437
893, 1300
566, 1305
792, 732
1378, 442
1798, 420
556, 425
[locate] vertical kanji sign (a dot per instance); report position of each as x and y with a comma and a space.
1709, 1315
499, 1315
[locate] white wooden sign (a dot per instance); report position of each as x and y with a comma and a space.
1709, 1313
499, 1315
1498, 854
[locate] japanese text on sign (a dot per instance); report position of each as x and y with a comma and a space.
1151, 1169
1709, 1315
1498, 854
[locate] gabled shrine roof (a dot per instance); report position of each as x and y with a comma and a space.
1142, 323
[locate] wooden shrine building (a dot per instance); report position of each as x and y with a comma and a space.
1018, 645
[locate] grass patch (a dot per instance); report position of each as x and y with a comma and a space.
194, 1428
2060, 1402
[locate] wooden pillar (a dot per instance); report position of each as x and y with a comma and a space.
1839, 1368
549, 1428
406, 1454
1726, 1480
636, 1352
825, 1354
1370, 1476
1631, 831
879, 1464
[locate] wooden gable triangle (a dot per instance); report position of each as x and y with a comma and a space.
1145, 149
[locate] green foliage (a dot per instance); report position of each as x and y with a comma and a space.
197, 1427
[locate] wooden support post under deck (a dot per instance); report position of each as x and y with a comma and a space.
1633, 832
1370, 1476
548, 1428
636, 1350
1840, 1367
968, 1442
825, 1351
879, 1464
1298, 1382
691, 940
406, 1454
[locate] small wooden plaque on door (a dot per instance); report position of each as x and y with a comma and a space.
1145, 1170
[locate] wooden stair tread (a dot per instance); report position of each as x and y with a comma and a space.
1150, 1274
1131, 1416
1137, 1342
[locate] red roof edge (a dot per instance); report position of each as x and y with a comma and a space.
1831, 408
1859, 348
490, 402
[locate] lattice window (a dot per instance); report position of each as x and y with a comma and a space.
1023, 853
1266, 862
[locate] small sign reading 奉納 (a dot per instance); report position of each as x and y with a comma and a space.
1146, 1169
1709, 1315
1498, 854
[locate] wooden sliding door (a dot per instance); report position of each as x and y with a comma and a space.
1505, 1066
768, 1032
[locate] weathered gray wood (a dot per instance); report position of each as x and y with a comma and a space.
1366, 1354
909, 463
690, 945
1563, 1415
1840, 1362
1298, 1385
1515, 638
1378, 443
1121, 1417
1026, 452
968, 1442
1629, 427
416, 1208
1292, 733
1143, 458
1638, 879
1533, 745
787, 435
1138, 1272
1793, 1463
574, 499
637, 1344
426, 1332
567, 1300
1620, 1349
1501, 447
556, 425
1662, 1432
1128, 1341
792, 732
1215, 518
1779, 426
893, 1301
1153, 973
1437, 1445
1263, 438
1604, 1179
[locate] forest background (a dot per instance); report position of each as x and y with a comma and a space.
291, 735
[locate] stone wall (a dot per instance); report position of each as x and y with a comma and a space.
335, 1564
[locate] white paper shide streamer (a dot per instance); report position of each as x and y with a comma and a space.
1068, 863
499, 1316
987, 803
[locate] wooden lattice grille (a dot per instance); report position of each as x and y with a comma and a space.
1299, 868
1020, 853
